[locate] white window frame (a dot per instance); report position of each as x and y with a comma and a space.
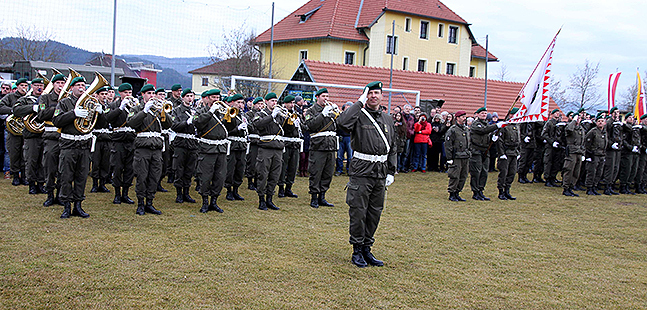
349, 52
455, 67
395, 47
403, 63
301, 53
440, 33
420, 33
405, 24
425, 69
458, 32
439, 66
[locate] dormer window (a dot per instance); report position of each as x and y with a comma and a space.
303, 18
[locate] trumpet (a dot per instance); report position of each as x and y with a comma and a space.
161, 107
290, 116
226, 110
335, 108
132, 102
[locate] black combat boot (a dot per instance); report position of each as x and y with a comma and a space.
476, 195
550, 183
16, 180
251, 185
125, 198
50, 199
57, 200
198, 186
607, 190
230, 194
32, 188
150, 209
102, 187
458, 197
23, 179
236, 195
507, 194
180, 196
205, 204
369, 258
589, 191
140, 206
67, 210
640, 189
567, 192
186, 196
358, 256
595, 191
522, 179
171, 178
281, 191
261, 203
117, 199
323, 202
288, 191
95, 185
314, 201
624, 189
538, 179
213, 206
578, 188
269, 203
160, 188
452, 197
40, 188
483, 196
78, 211
502, 195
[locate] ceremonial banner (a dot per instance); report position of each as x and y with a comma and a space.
611, 87
640, 98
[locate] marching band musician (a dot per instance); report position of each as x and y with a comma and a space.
148, 121
33, 142
185, 146
176, 98
14, 143
252, 152
51, 149
101, 148
293, 146
167, 155
213, 148
123, 137
237, 129
75, 149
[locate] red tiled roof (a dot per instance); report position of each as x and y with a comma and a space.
428, 8
223, 67
459, 93
478, 51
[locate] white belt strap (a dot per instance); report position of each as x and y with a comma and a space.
185, 136
292, 139
216, 142
237, 139
76, 137
166, 131
51, 129
386, 142
100, 131
272, 137
94, 143
124, 129
253, 136
323, 134
149, 134
371, 158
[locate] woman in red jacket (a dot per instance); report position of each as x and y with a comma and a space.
422, 130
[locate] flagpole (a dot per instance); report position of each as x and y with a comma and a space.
537, 66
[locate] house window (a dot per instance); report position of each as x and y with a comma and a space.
422, 65
472, 71
441, 30
303, 54
438, 66
349, 58
391, 45
424, 30
407, 24
450, 68
453, 34
205, 81
405, 63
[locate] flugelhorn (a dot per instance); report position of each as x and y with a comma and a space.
66, 88
86, 101
15, 125
227, 111
335, 108
45, 81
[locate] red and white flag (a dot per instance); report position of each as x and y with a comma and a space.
611, 86
535, 94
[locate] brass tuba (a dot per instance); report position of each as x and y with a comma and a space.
66, 88
86, 101
31, 124
15, 125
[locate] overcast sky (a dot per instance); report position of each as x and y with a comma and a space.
611, 32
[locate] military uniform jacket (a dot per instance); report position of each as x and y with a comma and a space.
595, 142
457, 142
587, 124
237, 137
527, 130
252, 132
211, 132
23, 107
366, 139
269, 129
481, 134
574, 135
118, 119
8, 101
47, 106
548, 132
614, 133
560, 133
64, 119
293, 133
176, 102
538, 127
509, 142
630, 137
148, 124
320, 128
102, 130
643, 139
180, 115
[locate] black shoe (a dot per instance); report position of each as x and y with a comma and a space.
117, 199
261, 203
452, 197
269, 203
314, 201
230, 194
502, 195
596, 192
125, 198
23, 181
507, 194
16, 181
95, 186
171, 178
213, 206
607, 191
476, 196
550, 183
67, 210
567, 192
522, 179
236, 195
205, 204
78, 211
50, 199
40, 188
289, 193
160, 188
538, 179
150, 209
32, 189
589, 191
323, 202
251, 185
358, 257
458, 197
578, 188
186, 196
281, 193
140, 207
369, 258
483, 196
180, 196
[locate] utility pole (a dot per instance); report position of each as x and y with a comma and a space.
392, 52
269, 87
114, 36
487, 58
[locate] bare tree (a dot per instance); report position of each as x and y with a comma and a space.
629, 96
558, 94
503, 73
31, 43
584, 88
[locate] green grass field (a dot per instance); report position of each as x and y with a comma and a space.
542, 251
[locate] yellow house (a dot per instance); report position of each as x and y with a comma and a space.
427, 36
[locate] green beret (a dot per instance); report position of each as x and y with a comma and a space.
237, 97
187, 91
77, 80
569, 113
58, 77
102, 89
176, 87
580, 111
37, 80
204, 94
598, 117
608, 117
147, 88
644, 116
321, 91
214, 91
374, 85
481, 109
125, 87
629, 114
257, 100
554, 111
228, 99
160, 90
513, 111
288, 98
270, 96
22, 80
613, 109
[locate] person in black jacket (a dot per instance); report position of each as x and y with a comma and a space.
437, 137
185, 146
293, 145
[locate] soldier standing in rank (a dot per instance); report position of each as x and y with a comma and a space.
538, 159
548, 133
33, 142
595, 143
51, 150
528, 147
14, 143
574, 155
167, 155
612, 158
123, 137
185, 146
293, 146
320, 121
252, 152
213, 148
75, 149
176, 95
237, 128
457, 148
374, 162
148, 121
630, 153
641, 172
481, 135
587, 124
102, 146
508, 145
270, 151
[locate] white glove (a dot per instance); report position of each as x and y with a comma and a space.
615, 146
123, 105
82, 113
583, 158
576, 117
99, 109
555, 144
148, 106
389, 180
35, 108
449, 162
501, 124
364, 96
526, 139
635, 149
213, 108
545, 141
518, 156
495, 137
276, 112
189, 120
327, 111
296, 122
503, 157
242, 126
589, 159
